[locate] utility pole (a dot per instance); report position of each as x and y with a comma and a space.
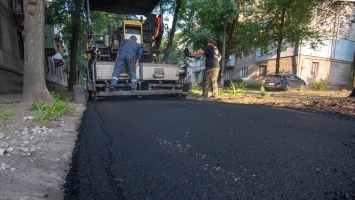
223, 55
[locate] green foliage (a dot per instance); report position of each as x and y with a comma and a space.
254, 85
9, 111
262, 90
61, 12
177, 49
204, 19
220, 92
246, 84
236, 80
321, 85
237, 88
286, 22
5, 115
197, 85
47, 112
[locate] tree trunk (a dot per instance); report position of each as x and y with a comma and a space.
74, 43
231, 36
280, 39
34, 80
172, 31
352, 93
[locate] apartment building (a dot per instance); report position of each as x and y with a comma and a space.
330, 61
12, 50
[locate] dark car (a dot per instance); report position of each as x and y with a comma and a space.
284, 82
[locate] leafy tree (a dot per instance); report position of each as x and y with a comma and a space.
176, 53
173, 29
204, 19
69, 15
286, 21
34, 82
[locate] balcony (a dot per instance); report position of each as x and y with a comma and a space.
50, 43
231, 62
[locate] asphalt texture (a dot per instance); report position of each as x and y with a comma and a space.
186, 149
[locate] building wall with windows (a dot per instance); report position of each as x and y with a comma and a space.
330, 61
11, 51
336, 73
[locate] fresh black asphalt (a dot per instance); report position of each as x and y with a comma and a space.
185, 149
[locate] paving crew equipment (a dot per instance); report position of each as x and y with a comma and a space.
153, 76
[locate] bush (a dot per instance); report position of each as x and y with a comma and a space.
254, 85
228, 81
237, 88
321, 85
58, 109
197, 85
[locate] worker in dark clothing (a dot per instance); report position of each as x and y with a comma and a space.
210, 75
130, 52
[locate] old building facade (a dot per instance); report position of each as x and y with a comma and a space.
12, 50
330, 61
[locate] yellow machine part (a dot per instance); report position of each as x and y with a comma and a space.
130, 27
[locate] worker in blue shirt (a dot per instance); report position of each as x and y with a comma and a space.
130, 52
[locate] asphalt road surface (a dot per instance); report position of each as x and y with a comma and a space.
185, 149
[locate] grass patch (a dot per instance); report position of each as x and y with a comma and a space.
59, 107
5, 115
321, 85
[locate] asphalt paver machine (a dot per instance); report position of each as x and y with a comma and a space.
154, 77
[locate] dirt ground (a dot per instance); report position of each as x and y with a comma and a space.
35, 157
330, 103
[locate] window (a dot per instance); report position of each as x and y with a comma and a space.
244, 73
315, 66
262, 70
229, 74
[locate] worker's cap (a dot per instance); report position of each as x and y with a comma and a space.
210, 40
133, 38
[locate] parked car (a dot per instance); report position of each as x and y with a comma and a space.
284, 82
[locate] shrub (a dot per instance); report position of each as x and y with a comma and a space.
237, 88
237, 80
197, 85
5, 116
262, 90
57, 109
321, 85
254, 85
